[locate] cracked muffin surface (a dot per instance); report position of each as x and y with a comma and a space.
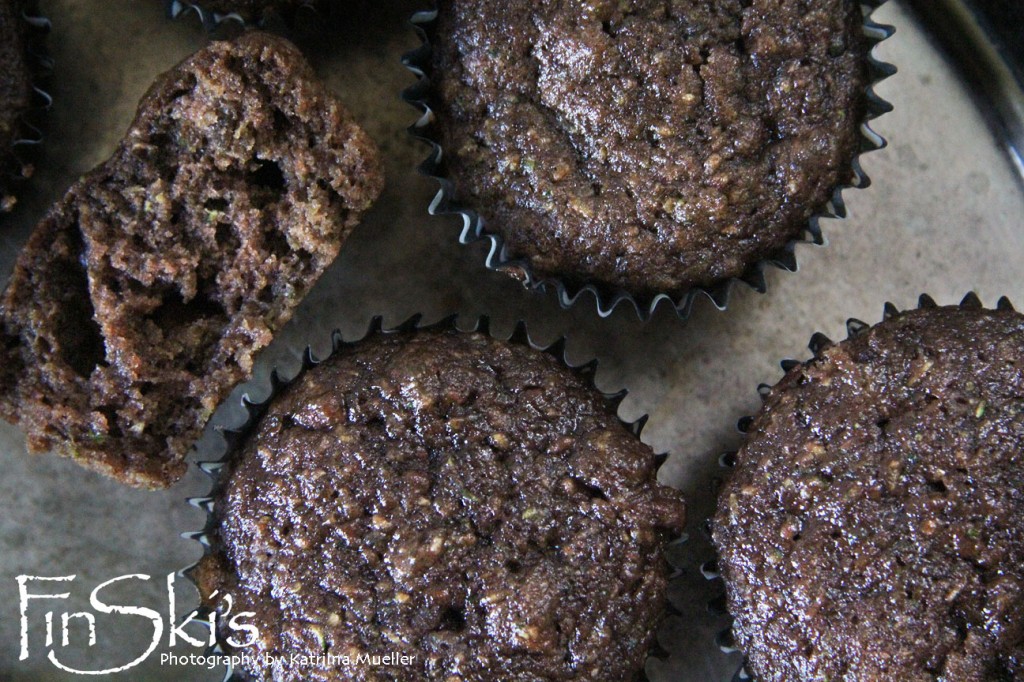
144, 294
647, 146
469, 503
873, 527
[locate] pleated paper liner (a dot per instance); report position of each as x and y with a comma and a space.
717, 606
232, 440
17, 166
282, 17
605, 299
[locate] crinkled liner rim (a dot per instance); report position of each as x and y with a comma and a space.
40, 64
605, 299
211, 21
232, 439
854, 328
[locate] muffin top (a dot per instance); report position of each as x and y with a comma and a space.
874, 525
469, 503
648, 146
15, 94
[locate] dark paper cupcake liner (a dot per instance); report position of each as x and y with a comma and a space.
232, 439
854, 328
18, 167
606, 299
218, 23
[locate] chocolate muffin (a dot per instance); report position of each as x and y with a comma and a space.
873, 527
647, 146
142, 297
469, 504
15, 96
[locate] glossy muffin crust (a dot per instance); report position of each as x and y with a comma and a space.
874, 525
647, 146
469, 503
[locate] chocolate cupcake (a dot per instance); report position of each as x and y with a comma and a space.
469, 506
16, 95
873, 527
142, 297
647, 148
